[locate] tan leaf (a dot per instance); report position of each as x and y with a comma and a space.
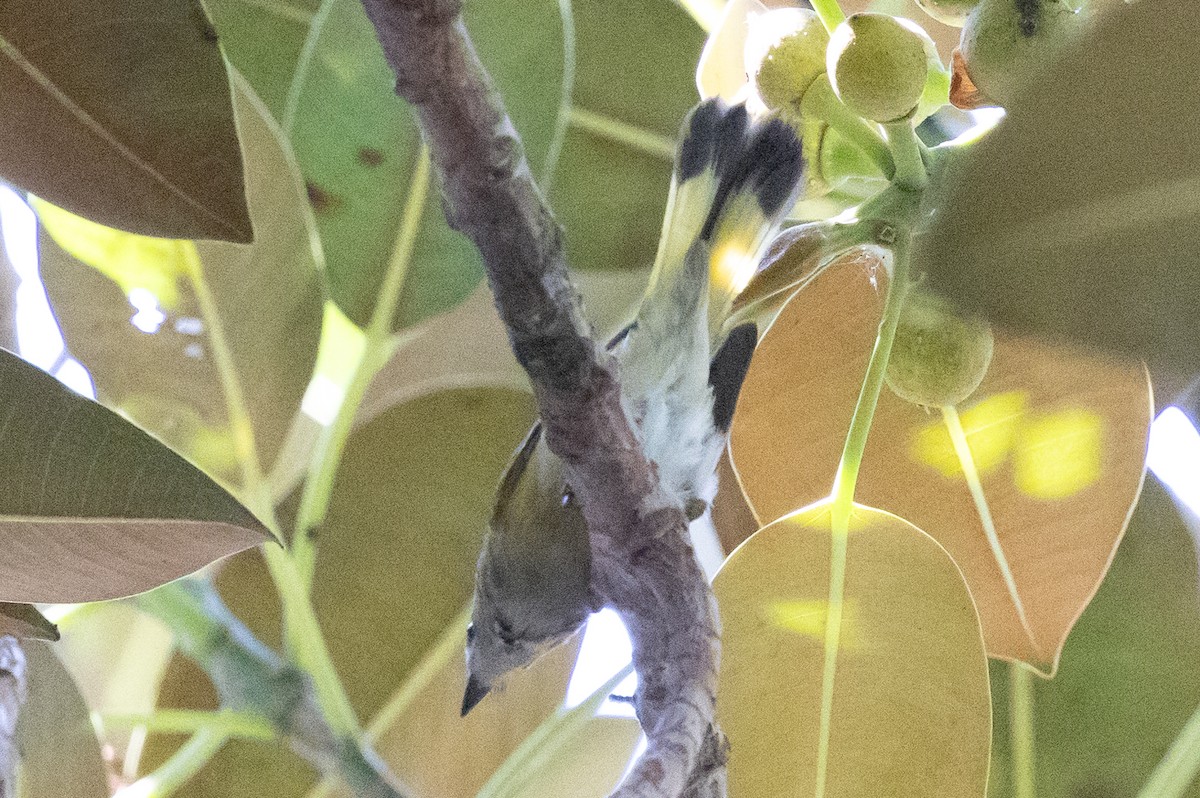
911, 712
60, 757
121, 112
442, 755
1059, 438
468, 347
13, 691
93, 508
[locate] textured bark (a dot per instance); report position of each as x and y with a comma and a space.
643, 565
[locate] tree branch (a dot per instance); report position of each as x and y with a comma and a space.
642, 563
251, 677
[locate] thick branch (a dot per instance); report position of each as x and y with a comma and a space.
251, 677
642, 563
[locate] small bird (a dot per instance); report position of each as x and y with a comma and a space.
680, 365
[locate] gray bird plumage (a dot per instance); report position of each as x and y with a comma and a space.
680, 369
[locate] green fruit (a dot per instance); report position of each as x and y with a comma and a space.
948, 12
938, 357
878, 63
794, 58
1005, 41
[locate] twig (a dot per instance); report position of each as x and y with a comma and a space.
643, 565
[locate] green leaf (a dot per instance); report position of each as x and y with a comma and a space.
119, 110
263, 39
262, 301
1128, 680
1076, 217
413, 494
93, 508
60, 757
637, 64
910, 711
358, 145
23, 620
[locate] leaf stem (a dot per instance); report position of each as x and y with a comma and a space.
448, 645
822, 104
546, 741
958, 437
907, 150
843, 491
291, 104
232, 723
562, 119
306, 643
1021, 729
377, 348
830, 13
254, 489
302, 630
636, 138
1177, 770
251, 678
180, 768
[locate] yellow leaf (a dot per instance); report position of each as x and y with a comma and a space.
131, 261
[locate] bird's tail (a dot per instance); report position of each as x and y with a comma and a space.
735, 179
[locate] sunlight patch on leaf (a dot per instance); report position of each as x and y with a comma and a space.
136, 263
991, 426
1059, 435
808, 619
1058, 455
911, 708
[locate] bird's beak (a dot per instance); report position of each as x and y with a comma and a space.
476, 690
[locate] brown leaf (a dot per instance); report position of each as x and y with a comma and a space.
1058, 436
963, 91
731, 513
442, 755
93, 508
119, 110
23, 620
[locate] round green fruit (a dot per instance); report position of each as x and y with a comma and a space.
794, 58
878, 63
938, 357
948, 12
1005, 41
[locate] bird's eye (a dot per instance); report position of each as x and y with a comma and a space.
505, 632
470, 633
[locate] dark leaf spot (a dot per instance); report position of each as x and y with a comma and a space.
369, 156
321, 200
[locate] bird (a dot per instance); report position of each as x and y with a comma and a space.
680, 364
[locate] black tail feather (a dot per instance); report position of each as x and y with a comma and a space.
765, 158
728, 370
